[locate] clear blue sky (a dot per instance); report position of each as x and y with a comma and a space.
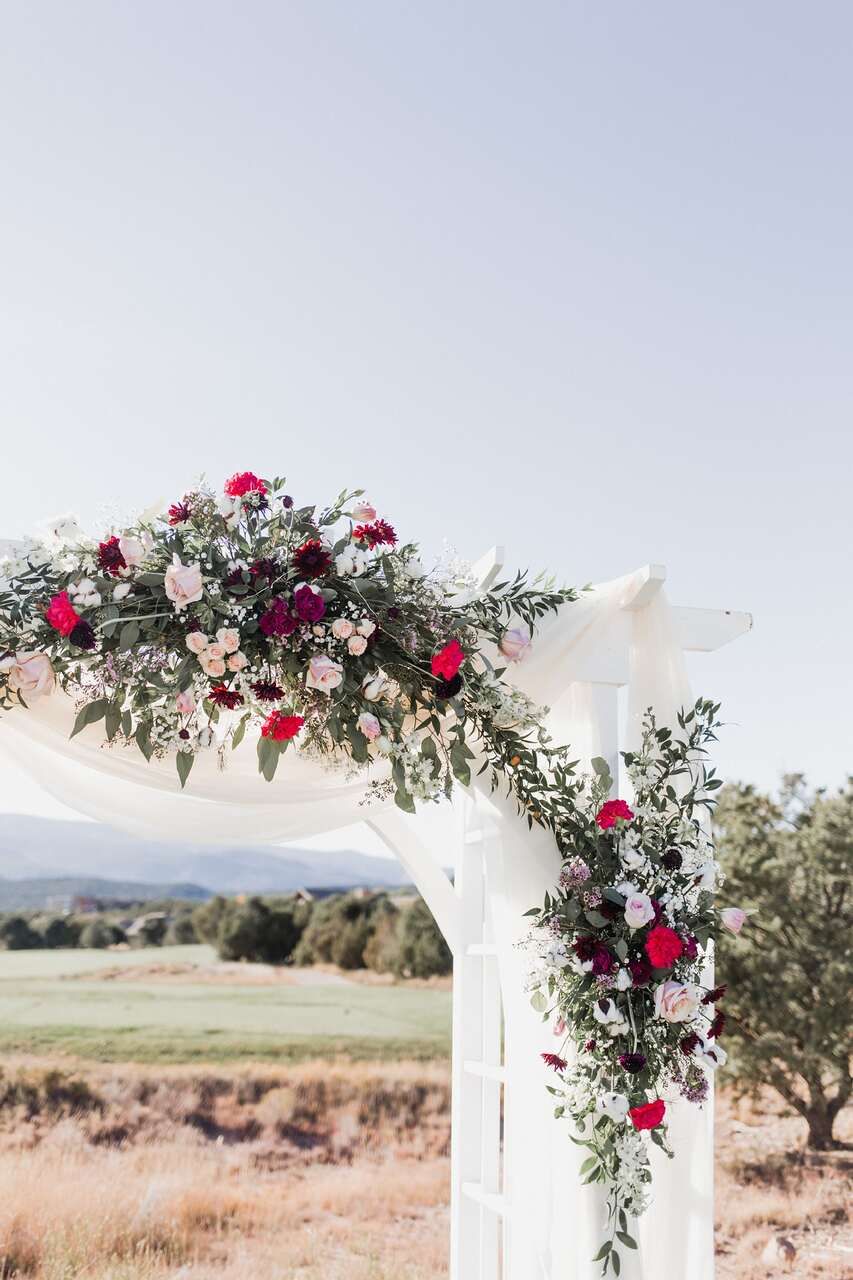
576, 277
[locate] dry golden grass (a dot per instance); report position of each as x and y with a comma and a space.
317, 1172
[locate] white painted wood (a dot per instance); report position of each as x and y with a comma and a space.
399, 833
704, 630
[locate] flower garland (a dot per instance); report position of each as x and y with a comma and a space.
238, 613
619, 951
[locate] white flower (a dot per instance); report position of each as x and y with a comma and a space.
356, 645
414, 569
623, 979
515, 643
614, 1105
378, 686
733, 919
610, 1016
229, 638
122, 591
183, 583
368, 725
210, 665
30, 675
342, 628
710, 1054
633, 859
677, 1001
237, 661
228, 508
366, 628
85, 594
196, 642
66, 529
638, 910
132, 550
351, 562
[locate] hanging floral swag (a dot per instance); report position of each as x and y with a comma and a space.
319, 630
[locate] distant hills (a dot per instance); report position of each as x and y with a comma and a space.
43, 859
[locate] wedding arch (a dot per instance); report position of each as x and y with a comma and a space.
588, 674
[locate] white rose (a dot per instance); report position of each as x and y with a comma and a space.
638, 910
614, 1105
215, 651
183, 583
30, 675
342, 628
323, 673
122, 591
237, 661
196, 642
623, 980
366, 628
356, 645
710, 1054
229, 638
515, 643
677, 1001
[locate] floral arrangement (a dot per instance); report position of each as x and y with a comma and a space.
240, 611
619, 951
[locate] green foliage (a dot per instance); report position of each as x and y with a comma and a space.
100, 933
208, 917
180, 931
790, 1003
422, 949
16, 934
338, 931
57, 931
256, 930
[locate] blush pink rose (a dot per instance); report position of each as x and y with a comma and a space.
677, 1001
733, 919
185, 703
210, 665
369, 726
515, 643
229, 638
638, 910
132, 550
366, 628
30, 675
324, 673
196, 642
183, 583
356, 645
237, 661
363, 511
342, 628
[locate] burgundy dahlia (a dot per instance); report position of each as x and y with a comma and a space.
178, 513
110, 558
633, 1063
672, 860
221, 696
267, 691
583, 947
589, 1046
641, 971
554, 1060
312, 559
717, 1026
688, 1044
266, 567
603, 961
380, 533
715, 994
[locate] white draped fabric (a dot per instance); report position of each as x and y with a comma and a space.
555, 1224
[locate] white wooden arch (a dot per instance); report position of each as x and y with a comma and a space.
488, 1230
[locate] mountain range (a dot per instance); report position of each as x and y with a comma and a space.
34, 850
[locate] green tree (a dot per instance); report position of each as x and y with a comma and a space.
181, 930
57, 931
16, 934
790, 999
100, 933
208, 917
423, 951
339, 930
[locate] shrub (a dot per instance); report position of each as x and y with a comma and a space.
422, 949
208, 917
180, 931
790, 1003
16, 934
99, 933
57, 931
260, 931
339, 930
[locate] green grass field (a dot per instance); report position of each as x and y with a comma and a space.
48, 1005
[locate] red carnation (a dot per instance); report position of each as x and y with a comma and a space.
610, 812
244, 482
663, 947
448, 660
110, 558
282, 727
221, 696
380, 533
312, 559
649, 1115
61, 614
554, 1060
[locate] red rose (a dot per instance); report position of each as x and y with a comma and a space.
282, 727
448, 660
649, 1115
242, 483
61, 614
663, 947
610, 812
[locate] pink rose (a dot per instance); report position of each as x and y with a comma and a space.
212, 666
366, 628
30, 675
196, 642
515, 643
215, 651
185, 703
132, 550
323, 673
677, 1001
733, 919
342, 628
356, 645
229, 638
237, 661
363, 511
183, 583
638, 910
369, 726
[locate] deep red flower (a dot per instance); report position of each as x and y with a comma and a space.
448, 660
633, 1063
691, 946
611, 811
378, 534
649, 1115
282, 727
110, 558
309, 605
178, 513
267, 691
717, 1026
641, 971
277, 620
584, 947
589, 1046
242, 483
312, 559
688, 1043
554, 1060
264, 568
603, 960
61, 614
715, 994
82, 635
221, 696
663, 947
